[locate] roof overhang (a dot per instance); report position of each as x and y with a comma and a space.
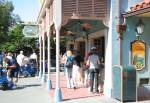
75, 26
43, 10
144, 12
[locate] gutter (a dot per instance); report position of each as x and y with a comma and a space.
42, 12
121, 27
137, 12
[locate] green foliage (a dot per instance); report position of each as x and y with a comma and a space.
11, 36
6, 8
17, 41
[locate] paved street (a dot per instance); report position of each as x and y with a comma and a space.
30, 90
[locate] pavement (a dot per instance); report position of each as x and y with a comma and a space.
81, 94
30, 90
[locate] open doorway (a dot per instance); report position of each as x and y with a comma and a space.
81, 48
99, 43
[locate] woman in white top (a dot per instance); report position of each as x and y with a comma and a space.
93, 62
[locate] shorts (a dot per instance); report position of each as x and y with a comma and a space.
14, 73
92, 73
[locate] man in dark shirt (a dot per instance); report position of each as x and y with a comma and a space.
12, 70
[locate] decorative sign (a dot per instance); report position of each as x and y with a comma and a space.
138, 49
31, 31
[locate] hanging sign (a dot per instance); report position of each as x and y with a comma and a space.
31, 31
138, 53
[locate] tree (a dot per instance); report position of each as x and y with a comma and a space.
11, 36
6, 8
18, 42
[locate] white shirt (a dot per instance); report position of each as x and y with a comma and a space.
93, 61
33, 56
20, 59
9, 57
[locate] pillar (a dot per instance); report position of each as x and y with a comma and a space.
43, 74
49, 82
58, 95
40, 59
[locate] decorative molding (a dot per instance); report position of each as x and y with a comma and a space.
120, 30
106, 22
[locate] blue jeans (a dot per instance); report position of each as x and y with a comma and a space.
69, 77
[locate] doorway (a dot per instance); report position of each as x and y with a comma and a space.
99, 43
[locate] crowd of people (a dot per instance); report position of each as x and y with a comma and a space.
14, 65
88, 71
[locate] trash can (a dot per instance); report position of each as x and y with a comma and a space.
124, 83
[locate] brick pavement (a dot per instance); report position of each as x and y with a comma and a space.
67, 94
81, 94
71, 94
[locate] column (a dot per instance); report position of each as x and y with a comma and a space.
49, 82
57, 17
43, 76
58, 96
40, 59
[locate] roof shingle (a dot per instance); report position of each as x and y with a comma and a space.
141, 5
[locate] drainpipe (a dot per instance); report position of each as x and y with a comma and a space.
121, 27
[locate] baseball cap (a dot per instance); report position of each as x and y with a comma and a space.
93, 48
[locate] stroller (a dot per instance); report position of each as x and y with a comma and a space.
30, 69
5, 84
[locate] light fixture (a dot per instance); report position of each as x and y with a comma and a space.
54, 39
140, 27
72, 38
84, 33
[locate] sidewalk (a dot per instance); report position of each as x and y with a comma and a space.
29, 90
81, 94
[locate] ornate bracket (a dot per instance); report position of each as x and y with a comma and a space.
120, 30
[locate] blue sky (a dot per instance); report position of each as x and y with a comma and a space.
27, 9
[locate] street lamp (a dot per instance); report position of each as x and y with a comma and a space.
140, 27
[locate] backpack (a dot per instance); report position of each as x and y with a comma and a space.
69, 62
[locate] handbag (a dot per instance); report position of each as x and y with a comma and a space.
69, 62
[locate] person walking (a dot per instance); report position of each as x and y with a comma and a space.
77, 72
93, 62
12, 70
86, 70
33, 61
20, 61
1, 57
68, 66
